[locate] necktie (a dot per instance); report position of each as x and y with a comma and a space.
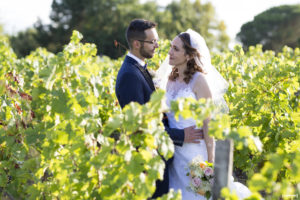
147, 75
145, 66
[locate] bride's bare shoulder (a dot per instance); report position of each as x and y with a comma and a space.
201, 87
200, 78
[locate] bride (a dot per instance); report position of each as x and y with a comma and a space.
192, 75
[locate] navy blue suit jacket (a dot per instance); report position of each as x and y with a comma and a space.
134, 83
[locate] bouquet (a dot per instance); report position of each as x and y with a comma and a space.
201, 177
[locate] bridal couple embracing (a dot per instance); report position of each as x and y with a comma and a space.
186, 72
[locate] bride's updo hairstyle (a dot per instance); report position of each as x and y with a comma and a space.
192, 67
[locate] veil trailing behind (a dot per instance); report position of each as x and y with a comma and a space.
217, 84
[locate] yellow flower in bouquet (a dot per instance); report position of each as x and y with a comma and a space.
201, 192
202, 165
192, 173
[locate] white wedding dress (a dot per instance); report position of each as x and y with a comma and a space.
185, 153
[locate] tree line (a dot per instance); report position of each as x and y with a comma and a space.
104, 22
273, 28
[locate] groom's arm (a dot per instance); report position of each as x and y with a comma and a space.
129, 89
177, 135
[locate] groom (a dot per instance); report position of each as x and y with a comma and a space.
134, 83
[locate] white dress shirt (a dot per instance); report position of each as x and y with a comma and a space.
142, 63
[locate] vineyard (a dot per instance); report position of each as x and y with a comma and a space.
64, 136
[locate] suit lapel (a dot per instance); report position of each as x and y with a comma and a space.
147, 76
144, 72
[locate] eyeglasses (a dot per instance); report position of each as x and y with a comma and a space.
154, 41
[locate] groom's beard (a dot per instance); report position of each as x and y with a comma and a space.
144, 53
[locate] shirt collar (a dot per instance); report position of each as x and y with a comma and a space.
142, 63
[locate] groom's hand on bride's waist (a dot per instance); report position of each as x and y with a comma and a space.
193, 135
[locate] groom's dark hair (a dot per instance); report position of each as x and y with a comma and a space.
136, 30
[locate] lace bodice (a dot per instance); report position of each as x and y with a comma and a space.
175, 90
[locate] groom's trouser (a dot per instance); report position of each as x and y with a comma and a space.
162, 187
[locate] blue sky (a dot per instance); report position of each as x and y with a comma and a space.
16, 15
